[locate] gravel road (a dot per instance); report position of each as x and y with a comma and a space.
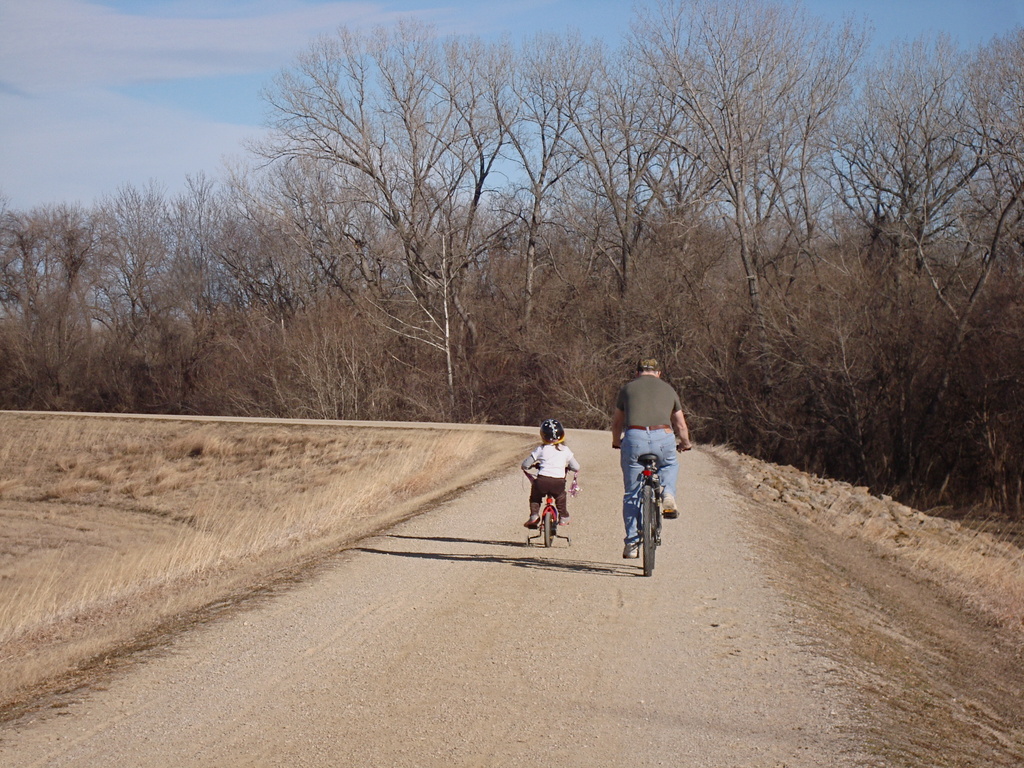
447, 641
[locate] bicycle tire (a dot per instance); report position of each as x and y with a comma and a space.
548, 526
649, 532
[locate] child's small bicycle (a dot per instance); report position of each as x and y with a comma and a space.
547, 526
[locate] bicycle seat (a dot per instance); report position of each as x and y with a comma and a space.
648, 458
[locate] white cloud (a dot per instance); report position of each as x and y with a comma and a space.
76, 149
66, 134
59, 45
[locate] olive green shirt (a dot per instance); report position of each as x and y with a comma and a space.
648, 401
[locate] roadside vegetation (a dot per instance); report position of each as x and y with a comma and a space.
980, 568
116, 529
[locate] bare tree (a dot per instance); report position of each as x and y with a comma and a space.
535, 98
46, 278
906, 155
619, 132
906, 161
196, 289
753, 87
408, 125
136, 259
991, 237
995, 212
198, 220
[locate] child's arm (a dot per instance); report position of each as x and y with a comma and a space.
530, 461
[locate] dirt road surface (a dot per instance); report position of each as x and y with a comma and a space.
447, 641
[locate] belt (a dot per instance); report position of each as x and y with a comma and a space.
655, 426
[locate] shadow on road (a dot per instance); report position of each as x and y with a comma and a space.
540, 563
457, 540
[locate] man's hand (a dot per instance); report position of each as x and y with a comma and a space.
682, 432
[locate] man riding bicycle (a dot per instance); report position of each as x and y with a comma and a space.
648, 418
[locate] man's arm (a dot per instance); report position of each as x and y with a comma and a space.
618, 423
681, 430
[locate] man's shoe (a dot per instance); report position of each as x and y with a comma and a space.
631, 552
668, 507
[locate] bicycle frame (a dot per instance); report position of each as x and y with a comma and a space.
649, 524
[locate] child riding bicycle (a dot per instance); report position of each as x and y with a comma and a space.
551, 459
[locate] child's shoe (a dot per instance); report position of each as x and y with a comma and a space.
532, 522
563, 519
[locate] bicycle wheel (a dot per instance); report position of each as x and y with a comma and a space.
649, 533
657, 519
548, 524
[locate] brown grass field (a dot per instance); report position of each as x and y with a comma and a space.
114, 530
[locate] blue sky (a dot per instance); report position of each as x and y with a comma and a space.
95, 94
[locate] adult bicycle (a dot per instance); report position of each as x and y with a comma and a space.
651, 496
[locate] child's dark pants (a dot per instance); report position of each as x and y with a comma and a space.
553, 486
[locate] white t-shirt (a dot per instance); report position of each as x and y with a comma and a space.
552, 460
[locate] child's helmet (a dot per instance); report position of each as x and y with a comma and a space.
551, 431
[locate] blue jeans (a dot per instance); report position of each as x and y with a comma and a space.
635, 443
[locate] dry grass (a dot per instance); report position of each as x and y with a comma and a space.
983, 570
987, 571
112, 528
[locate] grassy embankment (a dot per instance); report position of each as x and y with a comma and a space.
980, 568
114, 530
